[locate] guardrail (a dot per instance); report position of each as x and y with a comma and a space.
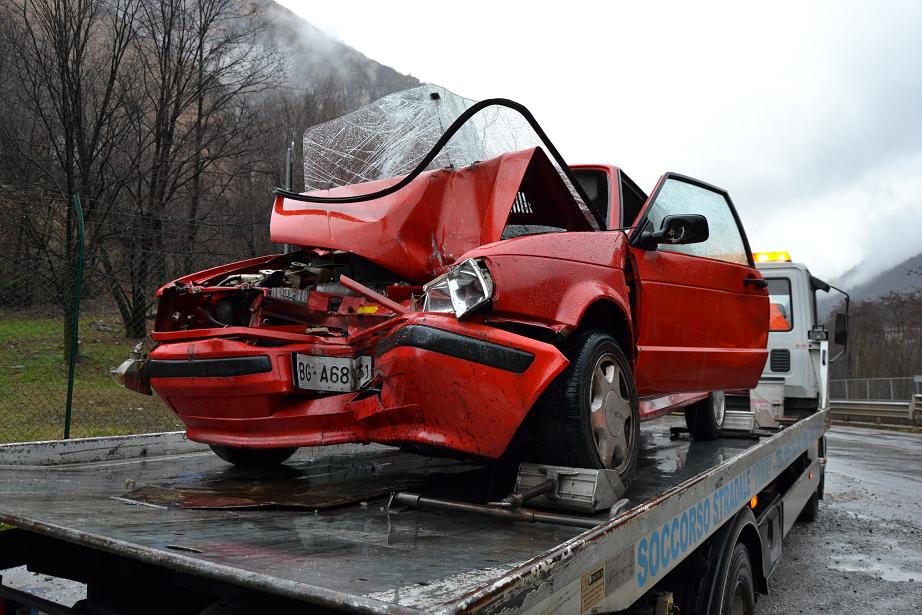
902, 413
876, 389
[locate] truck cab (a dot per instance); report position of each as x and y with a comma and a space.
794, 381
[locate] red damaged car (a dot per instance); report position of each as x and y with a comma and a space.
453, 286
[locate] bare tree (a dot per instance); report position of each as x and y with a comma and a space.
885, 338
201, 64
65, 71
170, 119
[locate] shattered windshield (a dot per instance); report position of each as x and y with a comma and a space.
391, 136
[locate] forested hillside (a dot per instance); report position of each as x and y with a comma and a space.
169, 119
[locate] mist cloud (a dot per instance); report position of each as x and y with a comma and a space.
810, 114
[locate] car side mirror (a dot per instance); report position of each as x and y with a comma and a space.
840, 336
679, 229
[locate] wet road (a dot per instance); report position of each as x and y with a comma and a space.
864, 552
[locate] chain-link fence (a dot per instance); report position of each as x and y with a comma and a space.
128, 255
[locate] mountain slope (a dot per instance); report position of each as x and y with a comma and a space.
316, 62
904, 277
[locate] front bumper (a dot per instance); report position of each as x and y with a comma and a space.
436, 381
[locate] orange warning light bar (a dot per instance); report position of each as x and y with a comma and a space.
771, 257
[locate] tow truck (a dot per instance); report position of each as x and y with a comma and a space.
794, 380
154, 524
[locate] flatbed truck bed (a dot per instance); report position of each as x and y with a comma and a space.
146, 521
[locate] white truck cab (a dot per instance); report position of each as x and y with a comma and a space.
795, 378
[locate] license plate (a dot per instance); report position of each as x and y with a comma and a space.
340, 374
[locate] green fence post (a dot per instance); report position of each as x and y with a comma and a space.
75, 319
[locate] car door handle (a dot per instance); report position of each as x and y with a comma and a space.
755, 282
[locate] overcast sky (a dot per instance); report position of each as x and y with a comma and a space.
810, 114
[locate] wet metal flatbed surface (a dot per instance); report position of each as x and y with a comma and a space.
270, 535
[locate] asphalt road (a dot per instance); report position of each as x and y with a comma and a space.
864, 552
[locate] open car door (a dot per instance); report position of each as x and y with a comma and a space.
702, 308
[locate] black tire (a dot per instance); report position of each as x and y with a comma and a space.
811, 509
705, 418
566, 431
738, 595
225, 608
253, 457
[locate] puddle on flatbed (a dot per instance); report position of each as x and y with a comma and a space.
310, 484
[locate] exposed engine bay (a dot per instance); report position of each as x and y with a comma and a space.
299, 292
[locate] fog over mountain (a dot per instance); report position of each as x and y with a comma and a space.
862, 285
810, 114
818, 139
316, 62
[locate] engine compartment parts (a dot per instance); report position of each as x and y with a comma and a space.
290, 293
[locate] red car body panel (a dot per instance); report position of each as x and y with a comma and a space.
698, 326
553, 279
425, 397
690, 324
697, 335
428, 225
200, 276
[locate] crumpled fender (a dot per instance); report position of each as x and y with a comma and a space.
553, 279
459, 385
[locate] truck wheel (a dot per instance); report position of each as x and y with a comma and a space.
225, 608
589, 417
811, 508
253, 457
705, 418
738, 587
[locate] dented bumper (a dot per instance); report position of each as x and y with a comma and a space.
435, 381
132, 373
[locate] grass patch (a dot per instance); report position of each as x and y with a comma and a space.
33, 381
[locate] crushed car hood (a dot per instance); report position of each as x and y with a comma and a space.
419, 230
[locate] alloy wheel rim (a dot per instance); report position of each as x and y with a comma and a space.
719, 401
610, 415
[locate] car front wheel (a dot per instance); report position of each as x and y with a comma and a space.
589, 416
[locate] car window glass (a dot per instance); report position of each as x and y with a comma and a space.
632, 200
779, 302
680, 197
595, 184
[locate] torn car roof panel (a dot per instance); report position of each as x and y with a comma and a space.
442, 214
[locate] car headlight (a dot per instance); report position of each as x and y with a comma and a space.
463, 289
